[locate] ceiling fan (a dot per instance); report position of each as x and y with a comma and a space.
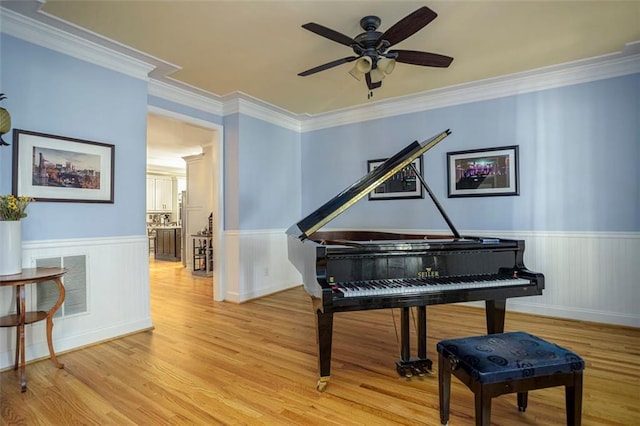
373, 59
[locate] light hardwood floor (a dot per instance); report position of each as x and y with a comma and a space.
255, 363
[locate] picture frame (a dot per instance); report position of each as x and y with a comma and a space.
403, 185
483, 172
61, 169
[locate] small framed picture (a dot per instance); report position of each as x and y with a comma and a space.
56, 168
483, 172
402, 185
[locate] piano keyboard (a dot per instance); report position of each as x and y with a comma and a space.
402, 286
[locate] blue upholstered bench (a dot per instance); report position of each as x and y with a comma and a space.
497, 364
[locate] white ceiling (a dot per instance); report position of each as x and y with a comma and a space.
258, 47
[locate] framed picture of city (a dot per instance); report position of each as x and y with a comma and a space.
56, 168
483, 172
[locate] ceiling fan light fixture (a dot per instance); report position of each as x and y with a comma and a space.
362, 66
377, 75
386, 65
356, 74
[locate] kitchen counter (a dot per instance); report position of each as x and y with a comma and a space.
168, 243
154, 225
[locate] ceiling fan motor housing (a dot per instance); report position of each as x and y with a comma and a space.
370, 23
368, 45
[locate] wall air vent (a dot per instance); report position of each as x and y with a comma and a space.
75, 284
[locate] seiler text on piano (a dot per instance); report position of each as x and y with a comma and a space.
358, 270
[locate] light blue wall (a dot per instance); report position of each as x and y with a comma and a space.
579, 157
56, 94
262, 171
268, 176
231, 171
579, 152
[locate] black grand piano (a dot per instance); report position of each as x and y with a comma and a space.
358, 270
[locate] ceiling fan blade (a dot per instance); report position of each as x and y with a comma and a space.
422, 58
330, 34
408, 25
327, 66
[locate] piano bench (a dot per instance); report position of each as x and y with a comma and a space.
498, 364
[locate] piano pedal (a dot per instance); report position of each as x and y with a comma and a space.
404, 371
419, 372
414, 367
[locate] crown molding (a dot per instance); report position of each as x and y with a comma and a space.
242, 103
25, 21
36, 27
50, 37
234, 103
182, 94
583, 71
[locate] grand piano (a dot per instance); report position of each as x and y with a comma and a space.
357, 270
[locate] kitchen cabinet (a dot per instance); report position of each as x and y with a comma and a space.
159, 194
168, 243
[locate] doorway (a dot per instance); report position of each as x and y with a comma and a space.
173, 136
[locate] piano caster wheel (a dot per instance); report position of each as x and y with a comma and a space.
321, 386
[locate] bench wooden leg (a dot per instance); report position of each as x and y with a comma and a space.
573, 400
483, 407
444, 388
523, 399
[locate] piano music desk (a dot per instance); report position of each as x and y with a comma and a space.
21, 318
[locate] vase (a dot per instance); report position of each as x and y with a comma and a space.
10, 247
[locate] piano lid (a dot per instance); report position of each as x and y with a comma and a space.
362, 187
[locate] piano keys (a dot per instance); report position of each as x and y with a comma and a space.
411, 286
360, 270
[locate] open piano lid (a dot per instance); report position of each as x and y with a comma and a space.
341, 202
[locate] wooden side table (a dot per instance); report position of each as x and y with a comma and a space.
22, 317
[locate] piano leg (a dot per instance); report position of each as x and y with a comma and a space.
405, 348
324, 336
422, 332
495, 311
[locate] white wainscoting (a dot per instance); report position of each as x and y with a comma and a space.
588, 276
257, 264
118, 296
